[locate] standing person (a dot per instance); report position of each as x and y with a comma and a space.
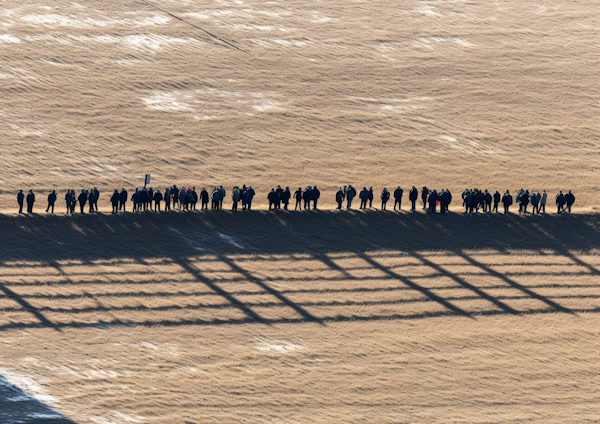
535, 201
96, 197
91, 200
20, 200
69, 200
306, 198
175, 195
433, 198
285, 198
272, 198
487, 202
235, 198
496, 201
364, 197
424, 194
221, 197
339, 198
398, 198
413, 195
524, 201
149, 198
543, 201
114, 200
560, 202
251, 194
181, 197
315, 196
204, 198
167, 198
370, 197
448, 199
194, 198
350, 195
298, 197
30, 201
158, 197
135, 198
278, 194
569, 199
385, 196
478, 200
51, 201
244, 196
518, 199
82, 199
73, 201
123, 200
507, 200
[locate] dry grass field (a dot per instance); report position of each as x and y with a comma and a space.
318, 317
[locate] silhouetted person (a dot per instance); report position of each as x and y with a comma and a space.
51, 201
569, 200
413, 195
285, 198
20, 200
195, 198
91, 200
524, 201
443, 199
364, 197
235, 198
82, 199
69, 199
560, 202
30, 201
398, 198
221, 197
251, 194
306, 197
468, 201
448, 199
339, 198
158, 197
350, 195
424, 194
278, 194
96, 197
316, 194
507, 200
167, 199
135, 198
543, 201
535, 201
497, 198
370, 197
183, 195
298, 197
385, 196
204, 198
272, 198
433, 199
114, 201
478, 200
518, 199
487, 202
123, 200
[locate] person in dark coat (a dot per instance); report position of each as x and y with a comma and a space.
278, 194
235, 198
370, 197
135, 198
204, 198
195, 198
364, 197
91, 200
167, 199
30, 201
478, 200
114, 200
569, 200
315, 195
398, 198
298, 197
468, 201
496, 201
350, 195
433, 199
339, 198
487, 202
524, 201
535, 201
424, 194
272, 198
285, 198
507, 200
69, 200
385, 196
82, 199
158, 197
251, 194
448, 199
20, 200
518, 199
96, 197
123, 200
560, 202
413, 195
443, 198
306, 197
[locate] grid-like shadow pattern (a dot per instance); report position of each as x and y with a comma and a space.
235, 289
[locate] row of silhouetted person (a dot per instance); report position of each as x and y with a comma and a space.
307, 198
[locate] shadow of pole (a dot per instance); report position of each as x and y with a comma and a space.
466, 285
513, 283
28, 307
415, 286
299, 309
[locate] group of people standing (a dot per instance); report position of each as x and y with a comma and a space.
186, 199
